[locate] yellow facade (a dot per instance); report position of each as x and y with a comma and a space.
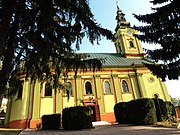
140, 85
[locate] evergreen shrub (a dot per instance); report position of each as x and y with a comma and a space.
170, 110
161, 110
51, 122
142, 111
120, 112
76, 118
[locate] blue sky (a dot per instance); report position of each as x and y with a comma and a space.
105, 12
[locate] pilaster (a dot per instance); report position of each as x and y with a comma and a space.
114, 82
99, 93
79, 88
36, 100
141, 85
164, 90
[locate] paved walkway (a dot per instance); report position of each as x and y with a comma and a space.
109, 130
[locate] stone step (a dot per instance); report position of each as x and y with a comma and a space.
100, 123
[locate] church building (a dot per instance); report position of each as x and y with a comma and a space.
123, 77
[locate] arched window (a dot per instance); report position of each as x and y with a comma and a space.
125, 87
88, 88
48, 90
107, 87
131, 44
69, 88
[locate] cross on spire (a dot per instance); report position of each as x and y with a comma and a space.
121, 21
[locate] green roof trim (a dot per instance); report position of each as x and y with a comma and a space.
115, 59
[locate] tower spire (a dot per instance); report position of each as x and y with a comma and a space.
121, 21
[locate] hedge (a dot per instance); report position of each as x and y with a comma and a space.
51, 122
142, 111
161, 110
139, 111
76, 118
120, 112
170, 110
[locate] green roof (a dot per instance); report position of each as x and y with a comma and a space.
115, 59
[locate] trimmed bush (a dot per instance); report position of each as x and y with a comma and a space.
120, 112
76, 118
142, 111
161, 110
51, 122
170, 110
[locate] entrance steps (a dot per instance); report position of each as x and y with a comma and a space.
100, 123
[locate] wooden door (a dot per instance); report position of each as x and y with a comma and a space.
95, 114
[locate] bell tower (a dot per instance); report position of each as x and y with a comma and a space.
126, 42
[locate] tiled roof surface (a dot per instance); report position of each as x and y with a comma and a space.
115, 59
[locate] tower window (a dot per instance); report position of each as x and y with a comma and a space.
48, 90
88, 88
131, 44
125, 88
107, 87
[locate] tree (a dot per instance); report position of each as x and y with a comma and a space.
36, 36
162, 28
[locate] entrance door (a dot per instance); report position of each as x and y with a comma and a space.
95, 114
